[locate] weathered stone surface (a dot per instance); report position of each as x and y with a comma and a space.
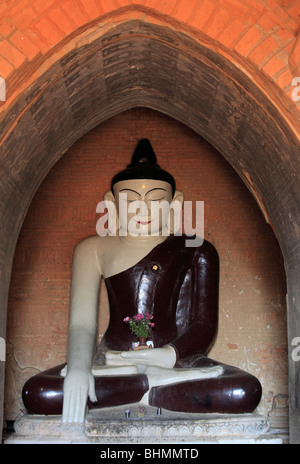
111, 425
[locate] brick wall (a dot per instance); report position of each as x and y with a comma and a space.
252, 332
260, 36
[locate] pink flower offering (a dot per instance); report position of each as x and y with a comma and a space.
139, 324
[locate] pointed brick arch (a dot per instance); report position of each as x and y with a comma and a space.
138, 63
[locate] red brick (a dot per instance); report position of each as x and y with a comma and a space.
159, 5
3, 7
5, 68
203, 14
6, 27
75, 12
284, 36
59, 17
89, 6
24, 17
248, 41
232, 33
111, 5
25, 45
185, 10
294, 26
294, 57
11, 54
274, 65
237, 8
284, 15
271, 4
262, 52
252, 18
294, 10
15, 8
269, 22
289, 48
42, 6
217, 23
285, 79
259, 5
48, 32
34, 36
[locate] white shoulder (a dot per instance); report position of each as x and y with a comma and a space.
89, 243
102, 249
98, 243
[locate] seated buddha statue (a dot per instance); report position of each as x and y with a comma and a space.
145, 271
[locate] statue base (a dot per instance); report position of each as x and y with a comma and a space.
126, 425
141, 347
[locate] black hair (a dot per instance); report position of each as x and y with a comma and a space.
144, 166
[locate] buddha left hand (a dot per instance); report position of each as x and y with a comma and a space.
162, 357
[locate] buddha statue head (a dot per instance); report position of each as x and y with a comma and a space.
143, 199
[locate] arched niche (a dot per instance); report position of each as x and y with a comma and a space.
142, 64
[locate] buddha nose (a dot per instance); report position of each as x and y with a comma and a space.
144, 208
148, 205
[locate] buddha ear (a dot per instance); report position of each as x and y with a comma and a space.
176, 213
113, 220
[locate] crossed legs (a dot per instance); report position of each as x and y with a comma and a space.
213, 388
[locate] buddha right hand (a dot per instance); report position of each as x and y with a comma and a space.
78, 386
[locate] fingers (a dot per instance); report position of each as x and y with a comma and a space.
77, 388
66, 408
164, 357
137, 357
134, 354
92, 391
74, 407
75, 401
114, 358
81, 406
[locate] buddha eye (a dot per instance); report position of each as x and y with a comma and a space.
132, 200
156, 199
129, 199
156, 194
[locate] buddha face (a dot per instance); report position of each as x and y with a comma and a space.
143, 206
